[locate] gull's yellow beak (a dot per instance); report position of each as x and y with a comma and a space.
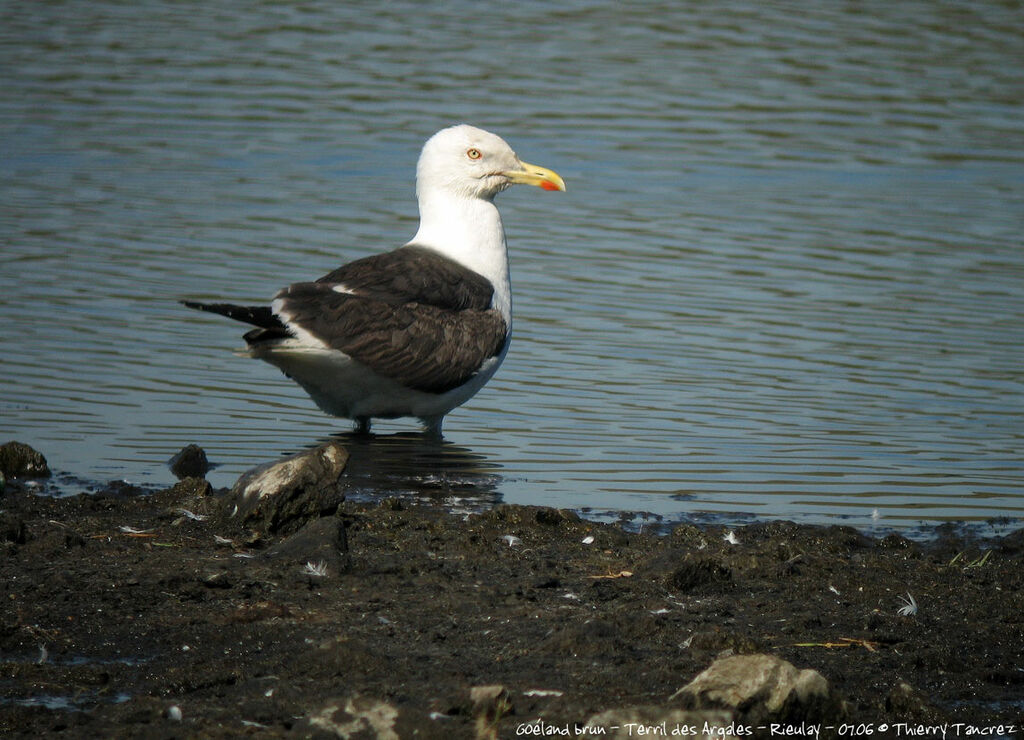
531, 174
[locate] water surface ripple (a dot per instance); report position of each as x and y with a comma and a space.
786, 279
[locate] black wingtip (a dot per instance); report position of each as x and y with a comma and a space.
261, 316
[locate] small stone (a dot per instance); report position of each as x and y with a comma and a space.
18, 460
190, 462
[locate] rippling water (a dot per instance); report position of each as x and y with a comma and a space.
787, 279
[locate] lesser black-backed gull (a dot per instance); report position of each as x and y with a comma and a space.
419, 330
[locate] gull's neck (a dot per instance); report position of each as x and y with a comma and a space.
469, 231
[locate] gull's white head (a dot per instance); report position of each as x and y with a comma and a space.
469, 162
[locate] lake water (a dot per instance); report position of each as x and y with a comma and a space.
787, 278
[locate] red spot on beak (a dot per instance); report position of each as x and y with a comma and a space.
548, 186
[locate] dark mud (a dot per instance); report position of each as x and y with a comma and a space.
128, 613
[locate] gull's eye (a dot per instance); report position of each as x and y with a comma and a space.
473, 153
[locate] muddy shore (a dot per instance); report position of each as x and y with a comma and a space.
134, 613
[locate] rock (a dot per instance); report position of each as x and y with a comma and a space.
358, 717
280, 497
761, 688
619, 724
190, 462
322, 540
18, 460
